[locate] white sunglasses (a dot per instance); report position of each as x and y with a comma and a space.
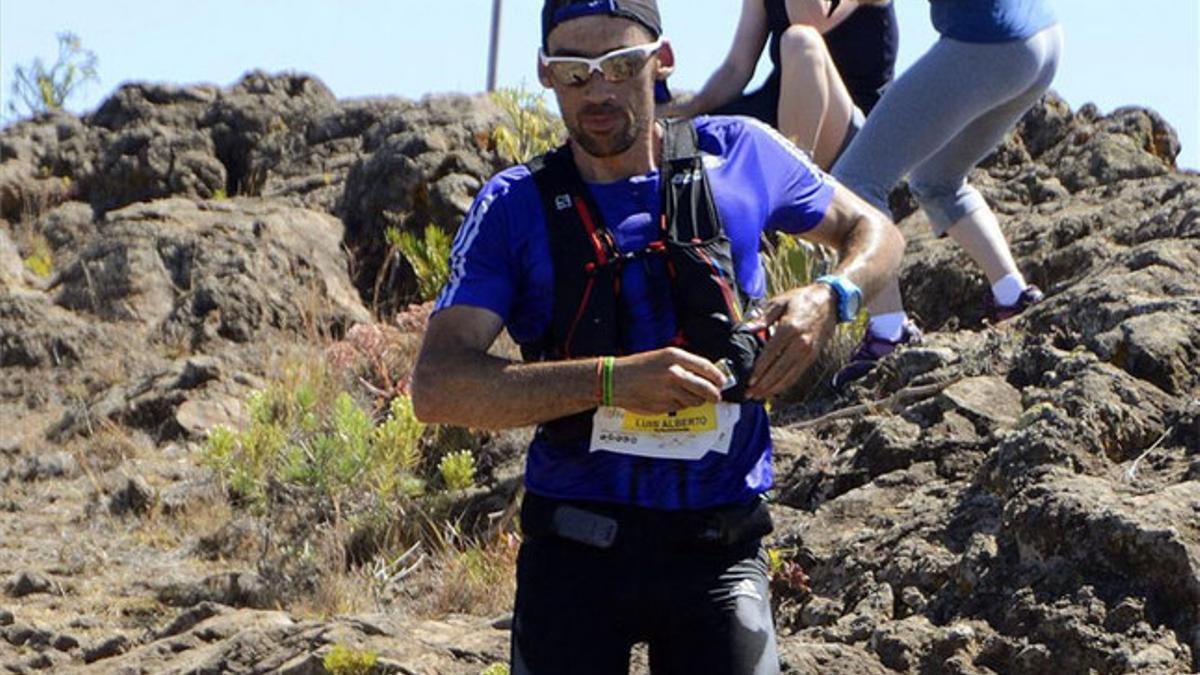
615, 66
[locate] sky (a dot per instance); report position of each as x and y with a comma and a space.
1117, 52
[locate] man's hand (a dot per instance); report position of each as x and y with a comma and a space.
665, 380
803, 320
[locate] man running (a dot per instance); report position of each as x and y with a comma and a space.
626, 266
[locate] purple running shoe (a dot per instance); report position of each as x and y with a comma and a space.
1029, 297
870, 350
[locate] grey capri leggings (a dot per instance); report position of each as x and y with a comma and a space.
944, 115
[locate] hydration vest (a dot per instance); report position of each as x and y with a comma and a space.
590, 317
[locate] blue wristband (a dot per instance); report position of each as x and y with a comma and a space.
849, 296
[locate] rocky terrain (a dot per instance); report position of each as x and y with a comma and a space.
1016, 498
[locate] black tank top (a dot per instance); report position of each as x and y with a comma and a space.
863, 47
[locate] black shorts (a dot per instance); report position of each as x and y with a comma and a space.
699, 601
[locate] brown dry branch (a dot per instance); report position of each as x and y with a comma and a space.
890, 404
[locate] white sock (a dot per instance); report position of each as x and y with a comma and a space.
888, 326
1008, 290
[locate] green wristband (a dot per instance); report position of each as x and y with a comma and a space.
607, 390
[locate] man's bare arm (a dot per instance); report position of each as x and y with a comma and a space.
869, 247
457, 382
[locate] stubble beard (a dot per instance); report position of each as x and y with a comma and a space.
609, 145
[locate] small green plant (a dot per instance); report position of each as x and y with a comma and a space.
529, 129
458, 470
429, 256
40, 261
789, 263
304, 433
398, 441
342, 660
220, 195
37, 88
775, 561
495, 669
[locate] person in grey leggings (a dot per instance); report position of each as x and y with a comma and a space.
934, 124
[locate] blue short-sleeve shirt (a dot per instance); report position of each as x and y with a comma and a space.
500, 261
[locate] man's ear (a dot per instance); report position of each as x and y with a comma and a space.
666, 61
544, 75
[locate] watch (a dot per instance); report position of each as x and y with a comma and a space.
849, 296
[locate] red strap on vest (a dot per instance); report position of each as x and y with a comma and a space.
590, 226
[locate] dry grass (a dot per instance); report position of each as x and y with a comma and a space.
38, 194
80, 555
164, 531
478, 579
110, 372
108, 446
338, 593
316, 310
174, 343
140, 612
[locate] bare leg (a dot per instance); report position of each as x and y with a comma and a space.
888, 299
979, 234
814, 105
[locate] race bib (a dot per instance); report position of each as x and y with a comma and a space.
690, 433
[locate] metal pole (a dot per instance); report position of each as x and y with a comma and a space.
494, 47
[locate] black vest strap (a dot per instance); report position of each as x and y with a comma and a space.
586, 273
689, 213
590, 317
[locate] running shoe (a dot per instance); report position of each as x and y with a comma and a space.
1029, 297
870, 350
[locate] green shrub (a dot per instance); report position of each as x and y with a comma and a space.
529, 129
429, 256
343, 486
398, 444
458, 470
342, 660
38, 89
495, 669
789, 263
305, 433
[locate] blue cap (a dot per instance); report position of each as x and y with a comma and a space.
644, 12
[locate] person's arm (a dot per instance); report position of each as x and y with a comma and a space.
457, 382
815, 13
869, 247
734, 73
